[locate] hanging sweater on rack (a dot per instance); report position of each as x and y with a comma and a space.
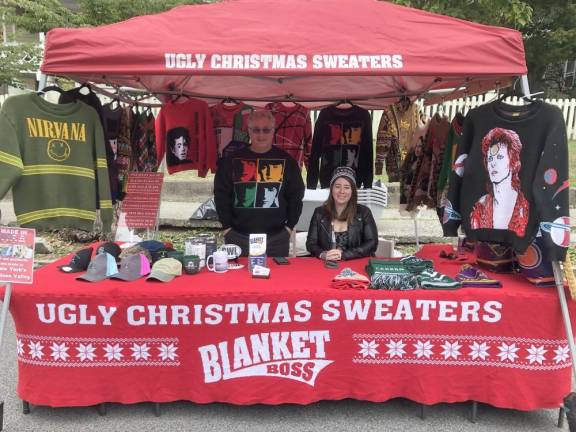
185, 133
92, 99
293, 132
439, 133
54, 159
143, 147
450, 147
410, 164
422, 191
230, 124
395, 131
342, 137
124, 157
510, 178
112, 119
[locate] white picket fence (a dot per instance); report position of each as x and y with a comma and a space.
450, 108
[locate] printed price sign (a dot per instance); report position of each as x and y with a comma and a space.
17, 254
142, 202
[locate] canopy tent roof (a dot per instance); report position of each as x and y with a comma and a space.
311, 51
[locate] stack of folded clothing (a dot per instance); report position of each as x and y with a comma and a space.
472, 277
407, 273
349, 279
430, 279
416, 265
390, 275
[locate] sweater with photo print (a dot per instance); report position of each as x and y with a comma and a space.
258, 192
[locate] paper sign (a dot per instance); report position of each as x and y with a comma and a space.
142, 201
17, 254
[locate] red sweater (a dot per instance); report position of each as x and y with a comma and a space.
184, 131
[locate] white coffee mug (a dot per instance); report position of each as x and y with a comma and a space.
219, 261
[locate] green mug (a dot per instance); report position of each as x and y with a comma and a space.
191, 264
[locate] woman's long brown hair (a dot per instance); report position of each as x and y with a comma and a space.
349, 211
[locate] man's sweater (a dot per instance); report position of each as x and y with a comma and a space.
258, 192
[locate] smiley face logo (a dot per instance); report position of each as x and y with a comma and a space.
58, 150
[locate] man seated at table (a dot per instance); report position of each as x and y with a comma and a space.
259, 189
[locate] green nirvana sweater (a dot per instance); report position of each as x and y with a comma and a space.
53, 157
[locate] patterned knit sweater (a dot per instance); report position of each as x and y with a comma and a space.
54, 159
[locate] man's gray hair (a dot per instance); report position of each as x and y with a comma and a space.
261, 114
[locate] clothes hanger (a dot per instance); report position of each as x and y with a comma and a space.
229, 100
50, 88
344, 102
514, 91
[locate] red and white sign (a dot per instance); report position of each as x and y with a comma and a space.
142, 202
17, 255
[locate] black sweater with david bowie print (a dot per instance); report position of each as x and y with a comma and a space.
509, 181
258, 192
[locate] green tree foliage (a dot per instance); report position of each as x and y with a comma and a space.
35, 16
15, 59
548, 28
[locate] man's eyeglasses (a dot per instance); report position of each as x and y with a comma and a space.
261, 130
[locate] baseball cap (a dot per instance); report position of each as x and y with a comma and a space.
151, 245
343, 171
109, 247
135, 250
79, 262
160, 253
165, 270
101, 267
133, 267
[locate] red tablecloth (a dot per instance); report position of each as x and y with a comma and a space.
289, 339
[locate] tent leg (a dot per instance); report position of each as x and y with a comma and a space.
25, 407
422, 411
570, 399
157, 409
561, 414
416, 233
102, 409
42, 81
474, 412
3, 318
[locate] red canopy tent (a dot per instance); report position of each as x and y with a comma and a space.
305, 50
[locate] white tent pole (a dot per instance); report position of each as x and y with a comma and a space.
559, 279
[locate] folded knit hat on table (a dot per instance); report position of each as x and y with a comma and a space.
349, 279
472, 277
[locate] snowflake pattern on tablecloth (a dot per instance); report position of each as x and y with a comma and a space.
368, 349
462, 350
97, 352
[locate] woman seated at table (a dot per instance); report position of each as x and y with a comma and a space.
342, 229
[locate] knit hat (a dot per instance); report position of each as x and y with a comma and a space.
472, 277
343, 171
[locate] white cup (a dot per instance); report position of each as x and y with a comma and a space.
219, 260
